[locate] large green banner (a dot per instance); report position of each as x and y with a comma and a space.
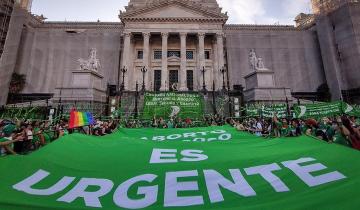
267, 111
252, 111
172, 104
279, 109
215, 168
324, 110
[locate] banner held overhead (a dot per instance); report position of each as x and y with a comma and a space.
199, 168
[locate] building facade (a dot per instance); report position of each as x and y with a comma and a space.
186, 46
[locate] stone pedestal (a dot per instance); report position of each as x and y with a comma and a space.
85, 86
260, 87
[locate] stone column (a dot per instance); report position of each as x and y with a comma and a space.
221, 62
215, 73
183, 85
201, 59
164, 69
146, 56
126, 59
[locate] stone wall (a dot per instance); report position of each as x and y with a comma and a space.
293, 55
339, 38
49, 53
346, 23
9, 56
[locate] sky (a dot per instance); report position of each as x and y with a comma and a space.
240, 11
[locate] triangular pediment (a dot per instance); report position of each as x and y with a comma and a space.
173, 9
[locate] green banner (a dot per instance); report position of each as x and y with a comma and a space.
267, 111
172, 104
325, 110
252, 111
352, 110
279, 109
203, 168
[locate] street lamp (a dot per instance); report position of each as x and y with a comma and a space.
223, 71
143, 70
203, 70
123, 71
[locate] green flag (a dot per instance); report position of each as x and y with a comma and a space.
201, 168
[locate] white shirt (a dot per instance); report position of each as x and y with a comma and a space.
29, 134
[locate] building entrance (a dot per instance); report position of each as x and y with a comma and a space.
173, 79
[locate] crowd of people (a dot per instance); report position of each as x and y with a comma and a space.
344, 130
23, 137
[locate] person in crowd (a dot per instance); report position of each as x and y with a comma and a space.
341, 135
354, 134
6, 142
170, 123
258, 127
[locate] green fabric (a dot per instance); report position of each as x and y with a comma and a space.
270, 110
252, 111
325, 109
230, 156
9, 129
48, 136
3, 140
36, 138
166, 104
285, 131
340, 139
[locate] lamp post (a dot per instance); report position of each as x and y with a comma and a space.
123, 71
143, 70
203, 70
223, 71
136, 100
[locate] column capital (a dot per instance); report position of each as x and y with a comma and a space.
183, 34
201, 35
146, 34
127, 34
164, 34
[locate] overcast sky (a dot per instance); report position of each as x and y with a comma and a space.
240, 11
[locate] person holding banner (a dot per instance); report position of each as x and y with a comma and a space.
354, 134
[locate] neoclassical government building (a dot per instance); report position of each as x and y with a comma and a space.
184, 45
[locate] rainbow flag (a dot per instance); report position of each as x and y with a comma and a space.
79, 119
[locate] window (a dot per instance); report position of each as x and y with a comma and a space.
157, 54
190, 55
190, 79
173, 53
207, 54
157, 80
140, 54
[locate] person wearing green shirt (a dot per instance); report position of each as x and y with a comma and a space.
170, 123
339, 138
6, 143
